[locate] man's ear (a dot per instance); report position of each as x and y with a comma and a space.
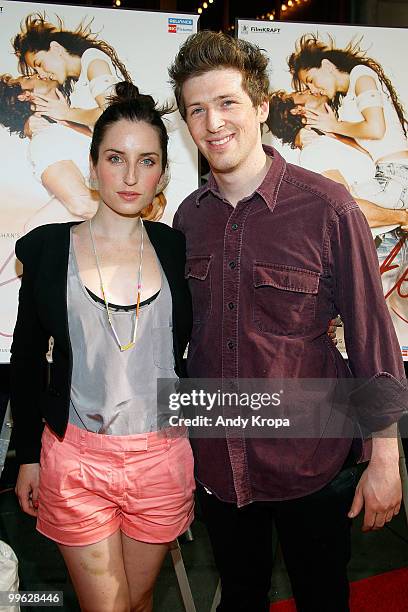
263, 111
56, 47
25, 95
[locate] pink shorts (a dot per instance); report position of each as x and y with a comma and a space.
91, 485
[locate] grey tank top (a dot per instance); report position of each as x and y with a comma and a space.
114, 392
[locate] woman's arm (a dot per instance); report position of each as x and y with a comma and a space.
28, 361
60, 109
65, 181
378, 217
371, 128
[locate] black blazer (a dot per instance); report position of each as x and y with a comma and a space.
40, 392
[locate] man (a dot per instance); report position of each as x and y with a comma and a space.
273, 252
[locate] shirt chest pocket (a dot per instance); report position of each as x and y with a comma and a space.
198, 274
284, 298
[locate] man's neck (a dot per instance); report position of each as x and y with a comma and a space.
243, 181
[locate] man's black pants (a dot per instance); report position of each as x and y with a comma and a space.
314, 534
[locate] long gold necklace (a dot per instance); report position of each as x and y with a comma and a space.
131, 344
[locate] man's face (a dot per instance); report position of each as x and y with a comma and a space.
33, 85
37, 85
309, 100
222, 120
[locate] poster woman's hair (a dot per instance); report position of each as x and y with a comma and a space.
310, 51
37, 34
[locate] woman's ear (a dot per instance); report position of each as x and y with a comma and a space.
327, 65
93, 179
163, 182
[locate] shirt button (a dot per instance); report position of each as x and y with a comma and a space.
234, 226
232, 264
231, 305
230, 344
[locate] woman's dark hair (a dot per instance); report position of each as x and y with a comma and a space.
37, 34
281, 122
310, 51
13, 112
129, 104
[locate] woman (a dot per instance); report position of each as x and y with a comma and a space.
367, 104
85, 67
108, 299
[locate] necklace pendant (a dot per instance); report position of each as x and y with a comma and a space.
125, 347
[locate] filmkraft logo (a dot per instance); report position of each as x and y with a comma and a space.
177, 24
263, 29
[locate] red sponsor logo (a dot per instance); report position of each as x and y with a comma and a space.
173, 28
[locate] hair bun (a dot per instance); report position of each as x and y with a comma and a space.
128, 92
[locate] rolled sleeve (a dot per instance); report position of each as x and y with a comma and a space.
380, 397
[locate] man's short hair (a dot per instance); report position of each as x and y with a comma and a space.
281, 122
206, 51
13, 112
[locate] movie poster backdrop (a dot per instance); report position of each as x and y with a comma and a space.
44, 170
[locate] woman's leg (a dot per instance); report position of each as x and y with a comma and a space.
98, 575
142, 565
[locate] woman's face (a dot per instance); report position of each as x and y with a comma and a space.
49, 64
129, 166
320, 80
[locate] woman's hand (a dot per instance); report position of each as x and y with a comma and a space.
322, 120
55, 109
331, 331
27, 487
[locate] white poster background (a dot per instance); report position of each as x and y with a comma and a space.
146, 43
388, 46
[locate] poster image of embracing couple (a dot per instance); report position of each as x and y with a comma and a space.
58, 66
339, 107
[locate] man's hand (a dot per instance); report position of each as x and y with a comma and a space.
379, 491
34, 125
55, 109
27, 487
322, 120
305, 136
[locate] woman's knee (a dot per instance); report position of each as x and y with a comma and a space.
144, 602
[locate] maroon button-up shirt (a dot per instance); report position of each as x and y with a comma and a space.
266, 277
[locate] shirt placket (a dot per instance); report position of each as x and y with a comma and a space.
235, 438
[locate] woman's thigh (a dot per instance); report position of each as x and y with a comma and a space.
98, 574
142, 563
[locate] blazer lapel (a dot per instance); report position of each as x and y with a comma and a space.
52, 282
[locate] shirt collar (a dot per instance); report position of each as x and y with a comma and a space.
268, 189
